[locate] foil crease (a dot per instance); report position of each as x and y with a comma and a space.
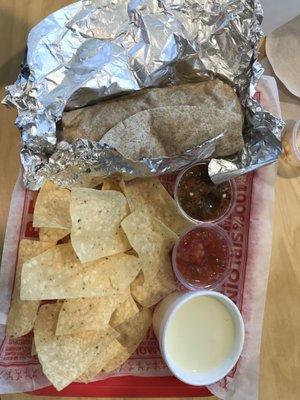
89, 162
96, 49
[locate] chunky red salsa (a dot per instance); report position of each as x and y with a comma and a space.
202, 257
200, 198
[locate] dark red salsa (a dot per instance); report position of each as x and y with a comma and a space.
199, 197
202, 257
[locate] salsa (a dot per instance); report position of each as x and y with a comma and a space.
202, 257
200, 198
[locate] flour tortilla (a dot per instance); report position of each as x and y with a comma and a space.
218, 103
171, 131
283, 50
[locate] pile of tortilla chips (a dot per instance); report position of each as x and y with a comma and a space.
115, 266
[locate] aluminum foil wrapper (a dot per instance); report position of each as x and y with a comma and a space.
95, 49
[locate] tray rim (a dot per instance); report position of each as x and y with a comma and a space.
128, 386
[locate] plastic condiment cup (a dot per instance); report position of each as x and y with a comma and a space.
163, 314
291, 143
218, 279
233, 190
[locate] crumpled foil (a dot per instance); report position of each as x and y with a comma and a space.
95, 49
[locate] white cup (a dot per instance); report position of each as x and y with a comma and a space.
164, 312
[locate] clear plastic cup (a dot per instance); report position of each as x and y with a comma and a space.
202, 257
224, 214
291, 143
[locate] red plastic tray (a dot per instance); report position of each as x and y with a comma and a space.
129, 386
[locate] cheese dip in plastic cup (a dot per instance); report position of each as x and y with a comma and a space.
201, 335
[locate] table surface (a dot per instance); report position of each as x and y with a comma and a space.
280, 354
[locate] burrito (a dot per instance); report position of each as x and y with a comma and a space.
162, 121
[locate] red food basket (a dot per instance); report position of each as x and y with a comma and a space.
129, 386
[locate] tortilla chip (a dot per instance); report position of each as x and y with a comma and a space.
111, 184
119, 359
125, 310
88, 179
65, 358
52, 207
151, 239
112, 351
58, 274
22, 314
149, 195
52, 235
132, 332
149, 293
92, 314
132, 252
96, 217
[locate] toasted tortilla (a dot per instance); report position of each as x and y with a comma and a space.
219, 107
171, 131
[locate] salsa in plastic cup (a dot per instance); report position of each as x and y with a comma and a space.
202, 257
199, 199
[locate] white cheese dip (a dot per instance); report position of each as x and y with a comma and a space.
200, 335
